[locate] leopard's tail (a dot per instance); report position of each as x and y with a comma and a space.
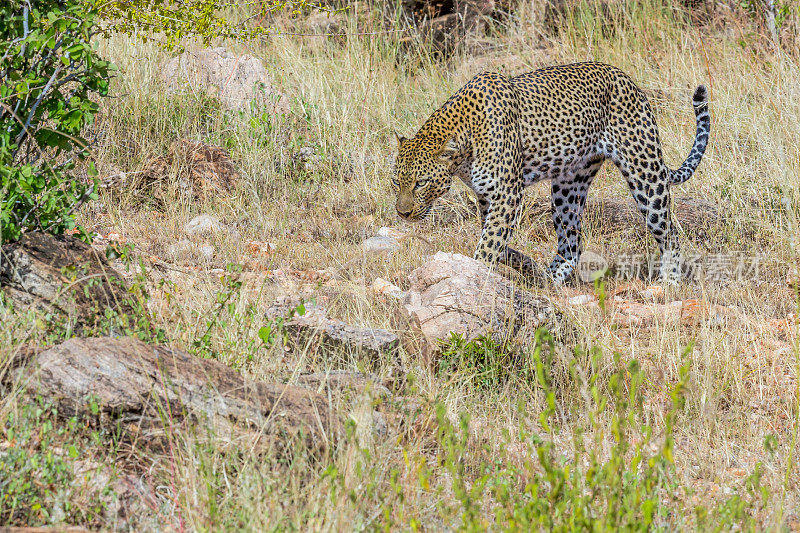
700, 103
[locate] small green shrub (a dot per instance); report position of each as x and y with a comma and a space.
38, 483
483, 362
49, 73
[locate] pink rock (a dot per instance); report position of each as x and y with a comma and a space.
453, 293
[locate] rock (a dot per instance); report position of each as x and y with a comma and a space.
240, 82
379, 426
394, 233
625, 313
203, 225
58, 529
455, 293
793, 278
200, 170
305, 159
380, 245
637, 291
128, 499
386, 288
314, 330
581, 299
133, 503
183, 250
207, 252
653, 293
363, 392
63, 276
145, 387
343, 379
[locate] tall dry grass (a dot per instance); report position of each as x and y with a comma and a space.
348, 97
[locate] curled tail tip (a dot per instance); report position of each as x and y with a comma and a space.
700, 97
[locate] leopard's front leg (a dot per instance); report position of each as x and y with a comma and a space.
499, 221
514, 258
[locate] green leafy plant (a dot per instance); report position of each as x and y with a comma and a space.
224, 309
38, 483
205, 20
483, 362
276, 328
50, 72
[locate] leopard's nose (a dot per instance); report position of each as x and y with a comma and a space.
404, 214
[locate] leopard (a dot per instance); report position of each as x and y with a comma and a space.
500, 134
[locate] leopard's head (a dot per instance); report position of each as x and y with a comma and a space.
423, 172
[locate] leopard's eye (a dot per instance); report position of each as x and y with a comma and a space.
395, 183
420, 184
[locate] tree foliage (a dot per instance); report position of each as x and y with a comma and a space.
170, 23
50, 76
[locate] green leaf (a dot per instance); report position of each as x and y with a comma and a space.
265, 334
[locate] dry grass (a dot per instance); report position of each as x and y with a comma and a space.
347, 97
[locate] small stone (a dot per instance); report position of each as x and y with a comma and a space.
181, 250
207, 252
387, 288
793, 277
381, 245
581, 299
379, 426
591, 267
654, 293
203, 224
391, 232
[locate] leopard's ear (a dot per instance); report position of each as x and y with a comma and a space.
400, 139
448, 150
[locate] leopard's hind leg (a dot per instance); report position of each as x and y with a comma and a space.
648, 180
568, 198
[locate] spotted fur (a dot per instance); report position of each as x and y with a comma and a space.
501, 134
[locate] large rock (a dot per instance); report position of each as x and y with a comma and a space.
315, 330
62, 276
453, 293
150, 388
238, 81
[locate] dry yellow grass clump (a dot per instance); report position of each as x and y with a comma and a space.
347, 96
